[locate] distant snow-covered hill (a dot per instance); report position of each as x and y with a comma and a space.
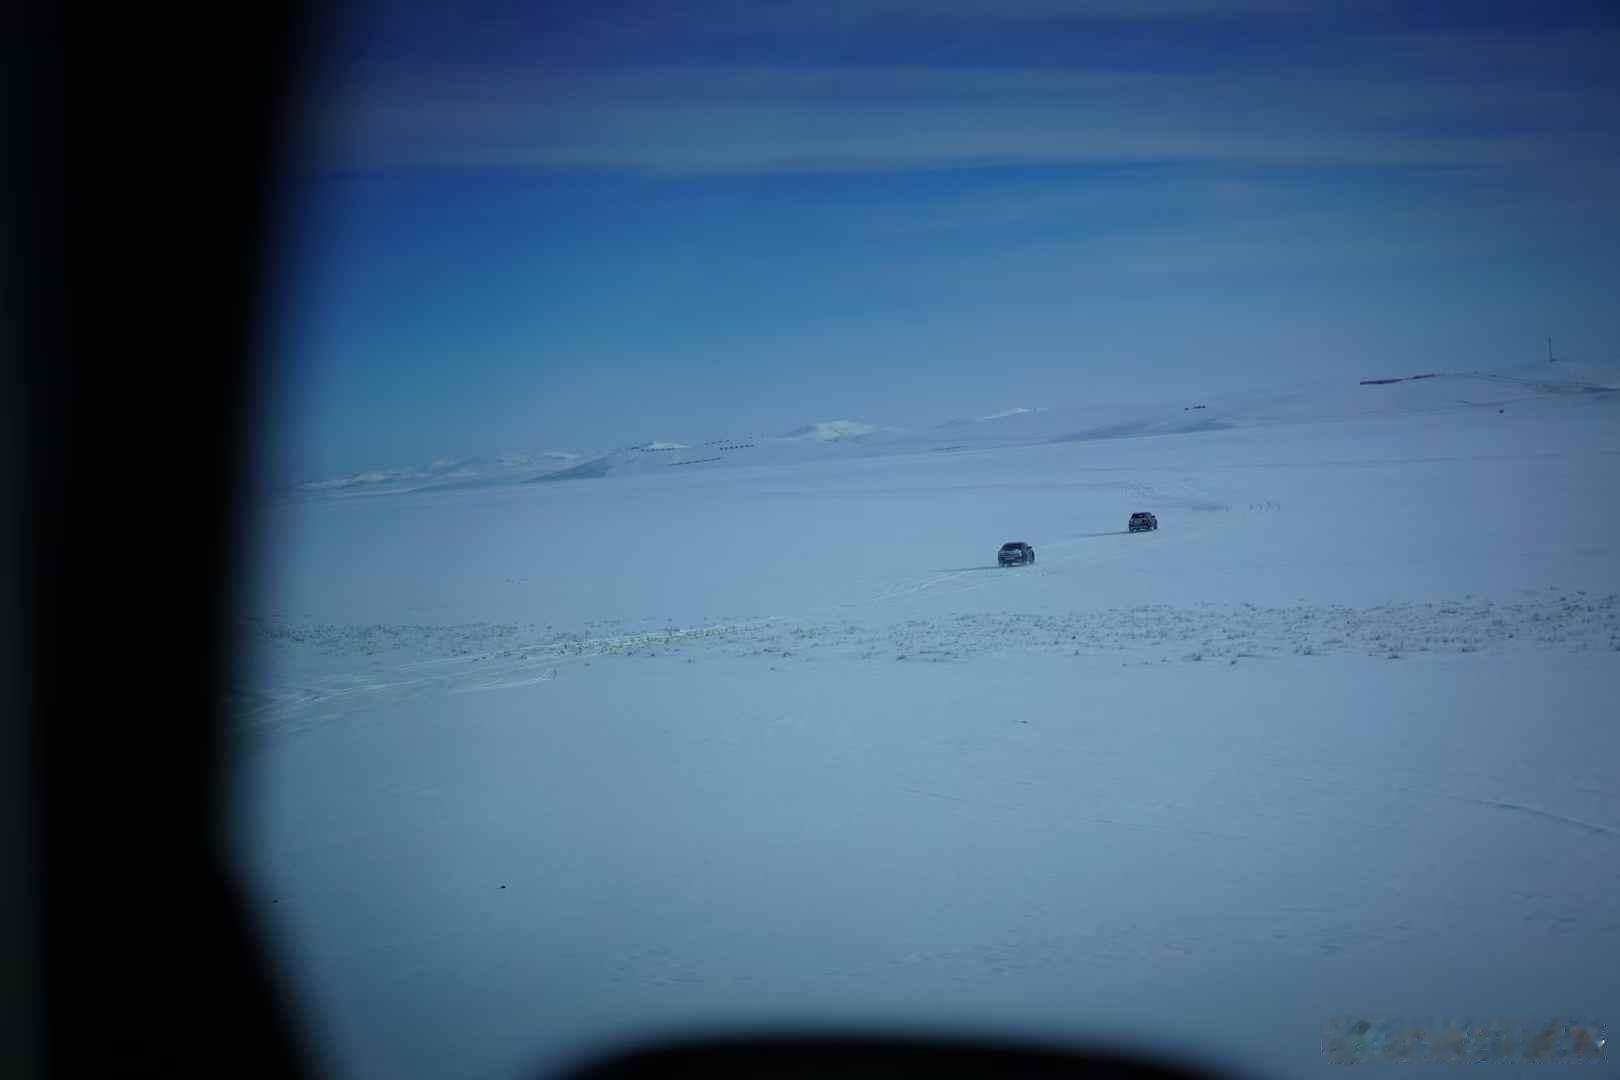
830, 430
1374, 392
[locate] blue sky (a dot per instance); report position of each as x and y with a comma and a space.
522, 227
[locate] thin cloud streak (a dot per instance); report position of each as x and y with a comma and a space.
863, 120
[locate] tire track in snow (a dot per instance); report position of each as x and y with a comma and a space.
1063, 550
1562, 819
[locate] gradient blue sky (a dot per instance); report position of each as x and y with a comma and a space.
522, 227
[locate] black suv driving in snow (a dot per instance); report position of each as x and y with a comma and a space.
1016, 553
1143, 522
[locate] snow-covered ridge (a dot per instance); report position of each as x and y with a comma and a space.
1364, 394
442, 472
1004, 413
831, 430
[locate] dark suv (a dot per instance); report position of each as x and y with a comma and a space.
1016, 553
1143, 522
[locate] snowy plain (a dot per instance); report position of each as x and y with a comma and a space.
537, 762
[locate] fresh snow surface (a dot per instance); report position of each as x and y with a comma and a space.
527, 768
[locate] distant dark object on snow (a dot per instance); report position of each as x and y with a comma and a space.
1142, 521
1189, 408
1016, 553
1380, 382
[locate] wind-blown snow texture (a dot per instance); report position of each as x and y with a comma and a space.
528, 767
